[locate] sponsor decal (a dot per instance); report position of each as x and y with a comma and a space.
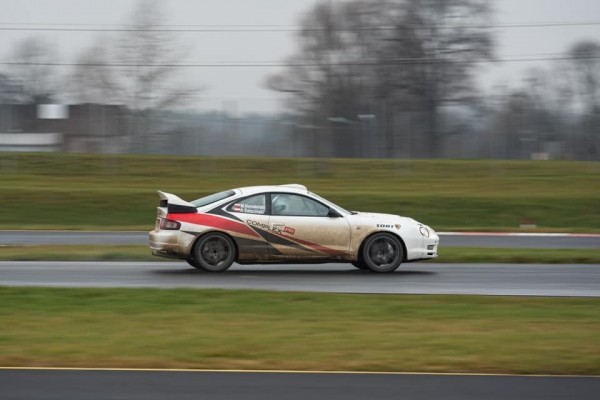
258, 224
275, 234
385, 226
248, 208
275, 228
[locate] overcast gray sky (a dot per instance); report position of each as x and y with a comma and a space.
245, 86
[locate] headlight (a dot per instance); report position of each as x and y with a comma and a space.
424, 231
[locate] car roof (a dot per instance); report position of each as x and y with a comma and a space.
287, 188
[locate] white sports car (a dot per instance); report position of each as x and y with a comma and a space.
285, 223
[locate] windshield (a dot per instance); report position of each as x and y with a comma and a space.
316, 196
204, 201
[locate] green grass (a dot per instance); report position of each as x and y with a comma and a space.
74, 191
77, 253
447, 255
303, 331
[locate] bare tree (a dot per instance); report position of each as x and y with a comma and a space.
325, 78
585, 63
387, 57
437, 44
32, 71
585, 72
91, 80
148, 81
136, 69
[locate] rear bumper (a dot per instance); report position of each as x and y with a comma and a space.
165, 254
171, 244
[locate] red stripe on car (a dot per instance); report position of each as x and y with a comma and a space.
214, 222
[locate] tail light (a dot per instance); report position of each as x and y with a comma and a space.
168, 224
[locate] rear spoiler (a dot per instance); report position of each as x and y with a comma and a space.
174, 204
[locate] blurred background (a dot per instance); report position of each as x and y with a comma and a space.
503, 79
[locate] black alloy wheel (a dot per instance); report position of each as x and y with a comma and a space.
214, 252
382, 252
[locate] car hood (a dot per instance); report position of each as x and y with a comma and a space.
381, 218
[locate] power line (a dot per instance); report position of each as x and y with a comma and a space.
49, 27
399, 61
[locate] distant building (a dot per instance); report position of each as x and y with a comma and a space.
38, 142
85, 128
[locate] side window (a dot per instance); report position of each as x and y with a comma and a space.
250, 205
293, 204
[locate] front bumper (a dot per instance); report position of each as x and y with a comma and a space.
430, 245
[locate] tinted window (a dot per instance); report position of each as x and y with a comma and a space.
329, 203
250, 205
293, 204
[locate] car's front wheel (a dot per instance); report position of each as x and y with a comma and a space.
382, 252
214, 252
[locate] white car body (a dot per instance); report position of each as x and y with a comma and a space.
285, 223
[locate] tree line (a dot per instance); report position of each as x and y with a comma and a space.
385, 78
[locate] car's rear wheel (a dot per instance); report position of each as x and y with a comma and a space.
214, 252
382, 252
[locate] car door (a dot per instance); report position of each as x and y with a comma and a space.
304, 228
253, 212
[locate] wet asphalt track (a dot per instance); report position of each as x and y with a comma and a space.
413, 278
159, 385
446, 240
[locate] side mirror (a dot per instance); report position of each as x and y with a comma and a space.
333, 214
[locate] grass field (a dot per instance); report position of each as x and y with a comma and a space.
447, 255
119, 192
305, 331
